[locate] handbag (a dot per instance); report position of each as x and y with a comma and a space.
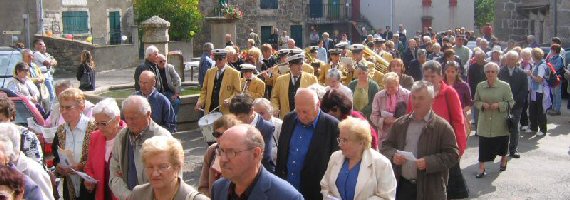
509, 118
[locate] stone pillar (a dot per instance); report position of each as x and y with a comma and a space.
155, 32
219, 27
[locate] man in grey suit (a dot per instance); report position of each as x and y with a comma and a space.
240, 150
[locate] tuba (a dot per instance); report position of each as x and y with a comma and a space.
380, 63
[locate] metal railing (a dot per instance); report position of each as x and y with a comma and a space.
319, 12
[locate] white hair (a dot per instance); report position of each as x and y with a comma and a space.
10, 137
263, 102
512, 54
526, 52
107, 106
63, 83
391, 76
150, 50
490, 65
313, 94
425, 37
140, 102
231, 50
420, 85
319, 89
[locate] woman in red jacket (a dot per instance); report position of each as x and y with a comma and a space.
107, 119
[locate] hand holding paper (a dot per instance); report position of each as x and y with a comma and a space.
407, 155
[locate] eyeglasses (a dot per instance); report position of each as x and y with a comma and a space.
104, 124
24, 70
161, 168
62, 108
217, 134
229, 154
490, 72
342, 140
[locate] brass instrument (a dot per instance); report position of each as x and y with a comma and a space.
380, 64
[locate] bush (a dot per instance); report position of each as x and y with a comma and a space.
184, 15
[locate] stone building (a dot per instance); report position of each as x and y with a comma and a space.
515, 19
293, 16
20, 18
106, 21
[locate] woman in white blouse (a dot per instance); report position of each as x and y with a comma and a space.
357, 171
21, 83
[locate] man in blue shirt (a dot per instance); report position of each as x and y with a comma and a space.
205, 62
308, 138
162, 111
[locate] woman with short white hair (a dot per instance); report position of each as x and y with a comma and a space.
108, 121
263, 107
389, 104
334, 82
163, 160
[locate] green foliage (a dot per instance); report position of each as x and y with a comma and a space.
484, 12
184, 15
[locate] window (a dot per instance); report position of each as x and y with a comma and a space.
452, 3
268, 4
75, 22
426, 3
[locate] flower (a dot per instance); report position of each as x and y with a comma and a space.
232, 11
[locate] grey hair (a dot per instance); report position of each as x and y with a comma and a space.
362, 67
479, 52
28, 51
11, 138
139, 101
423, 52
63, 83
150, 50
208, 46
425, 37
253, 137
432, 65
313, 94
264, 103
490, 65
526, 52
334, 74
319, 89
231, 50
107, 106
390, 76
420, 85
484, 41
512, 54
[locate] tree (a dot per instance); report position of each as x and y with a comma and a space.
184, 15
484, 12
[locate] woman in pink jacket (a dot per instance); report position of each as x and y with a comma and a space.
107, 119
388, 105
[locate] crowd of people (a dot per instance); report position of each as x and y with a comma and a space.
387, 118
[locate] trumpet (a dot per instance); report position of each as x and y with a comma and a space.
380, 63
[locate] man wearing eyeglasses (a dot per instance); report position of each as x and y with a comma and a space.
171, 82
221, 83
162, 111
126, 169
240, 152
308, 138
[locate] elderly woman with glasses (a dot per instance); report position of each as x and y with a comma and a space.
108, 121
211, 170
71, 143
357, 171
493, 99
163, 160
22, 85
389, 104
363, 89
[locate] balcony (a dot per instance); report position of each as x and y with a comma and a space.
319, 13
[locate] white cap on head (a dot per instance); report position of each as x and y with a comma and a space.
247, 66
497, 48
283, 51
314, 48
295, 57
357, 47
221, 52
379, 39
341, 45
295, 51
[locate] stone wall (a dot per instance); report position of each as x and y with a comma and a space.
509, 23
11, 19
67, 53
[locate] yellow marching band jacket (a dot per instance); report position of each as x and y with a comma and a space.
279, 79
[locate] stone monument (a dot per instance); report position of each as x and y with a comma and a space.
155, 32
219, 27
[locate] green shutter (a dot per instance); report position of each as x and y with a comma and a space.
75, 22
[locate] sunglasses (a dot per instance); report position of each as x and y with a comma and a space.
217, 134
24, 70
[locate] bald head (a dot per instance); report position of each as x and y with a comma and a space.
306, 105
147, 81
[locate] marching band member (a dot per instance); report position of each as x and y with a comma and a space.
334, 64
252, 85
306, 67
285, 87
314, 60
281, 67
344, 47
221, 83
